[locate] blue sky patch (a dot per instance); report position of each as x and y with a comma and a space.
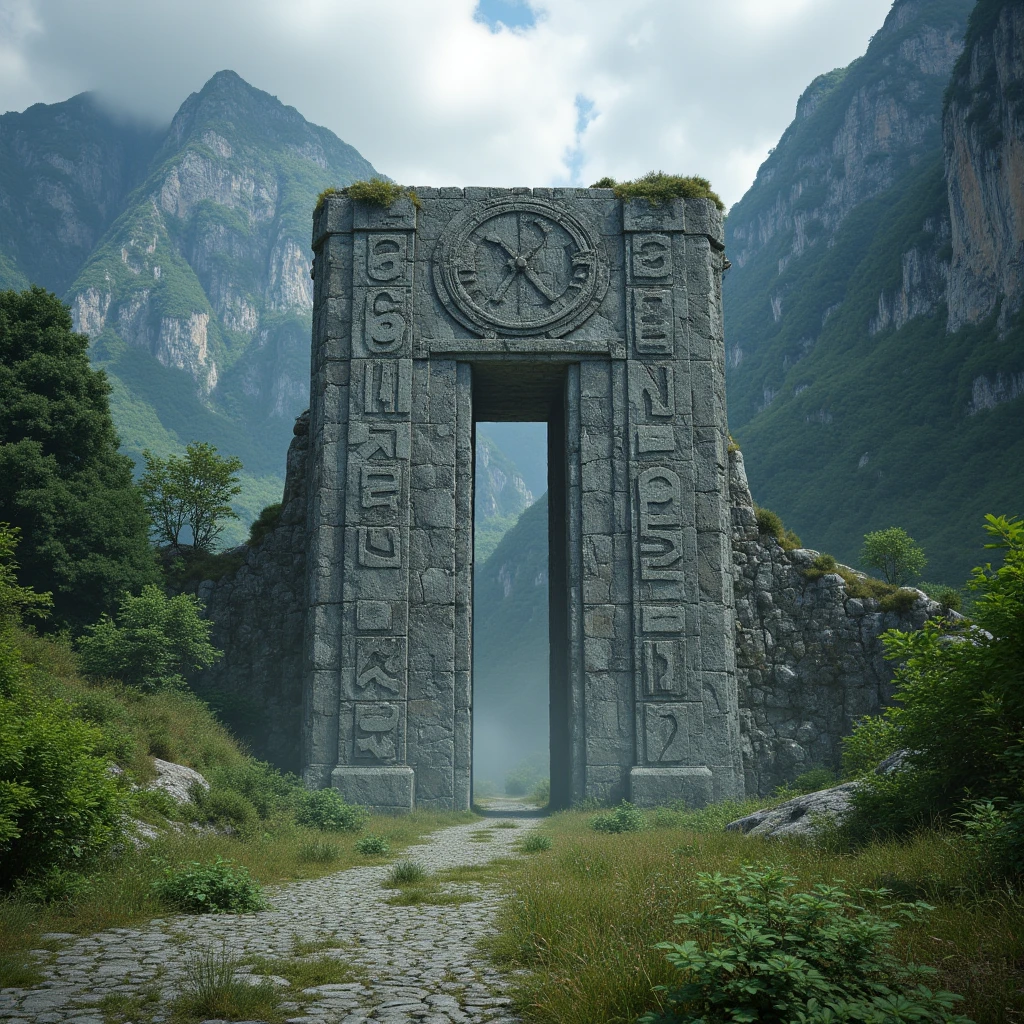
510, 13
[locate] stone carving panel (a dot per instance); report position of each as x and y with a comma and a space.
378, 738
520, 266
674, 734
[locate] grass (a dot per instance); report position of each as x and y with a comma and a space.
304, 972
405, 872
657, 187
581, 921
213, 991
536, 842
122, 1007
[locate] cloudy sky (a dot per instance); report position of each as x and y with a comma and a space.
458, 92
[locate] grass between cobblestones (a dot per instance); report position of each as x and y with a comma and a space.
580, 921
120, 893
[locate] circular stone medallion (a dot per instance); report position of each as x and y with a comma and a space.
519, 266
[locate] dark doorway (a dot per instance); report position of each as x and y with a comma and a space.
520, 618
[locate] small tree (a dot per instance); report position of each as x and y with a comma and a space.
193, 491
152, 643
895, 553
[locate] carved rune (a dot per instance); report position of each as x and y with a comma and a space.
520, 266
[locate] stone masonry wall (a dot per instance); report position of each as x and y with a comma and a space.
257, 618
809, 661
808, 657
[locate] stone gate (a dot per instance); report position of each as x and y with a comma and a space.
603, 318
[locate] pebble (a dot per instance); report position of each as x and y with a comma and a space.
422, 963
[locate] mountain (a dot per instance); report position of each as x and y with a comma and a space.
184, 254
864, 387
500, 495
510, 647
66, 170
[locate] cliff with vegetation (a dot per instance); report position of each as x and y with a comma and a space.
184, 254
855, 405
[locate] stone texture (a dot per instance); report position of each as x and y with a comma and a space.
800, 816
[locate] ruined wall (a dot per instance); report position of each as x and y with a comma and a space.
257, 615
809, 661
808, 658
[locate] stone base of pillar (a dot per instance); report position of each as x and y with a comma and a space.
382, 790
659, 787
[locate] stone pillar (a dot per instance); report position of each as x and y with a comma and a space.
686, 718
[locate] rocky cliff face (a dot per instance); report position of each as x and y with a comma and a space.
983, 137
65, 172
855, 406
857, 129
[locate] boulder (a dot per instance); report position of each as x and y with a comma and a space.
176, 780
799, 816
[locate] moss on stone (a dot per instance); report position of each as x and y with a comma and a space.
658, 187
378, 191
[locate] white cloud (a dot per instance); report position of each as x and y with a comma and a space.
432, 96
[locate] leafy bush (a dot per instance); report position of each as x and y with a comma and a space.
223, 807
658, 187
154, 640
949, 597
762, 952
406, 872
57, 885
59, 806
535, 842
373, 846
326, 809
541, 794
958, 711
220, 887
823, 565
811, 781
625, 818
264, 523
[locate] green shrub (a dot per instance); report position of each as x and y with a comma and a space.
58, 885
264, 523
535, 842
484, 788
541, 794
658, 187
949, 597
810, 781
823, 565
326, 809
769, 523
220, 887
625, 818
373, 846
958, 711
59, 806
406, 872
526, 774
761, 952
223, 807
154, 640
319, 851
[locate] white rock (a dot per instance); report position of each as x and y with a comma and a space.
799, 816
176, 780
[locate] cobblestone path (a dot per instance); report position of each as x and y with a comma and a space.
421, 963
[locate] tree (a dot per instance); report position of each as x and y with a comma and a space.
66, 487
152, 643
895, 553
192, 491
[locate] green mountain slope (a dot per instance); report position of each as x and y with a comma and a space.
853, 404
65, 171
198, 298
510, 647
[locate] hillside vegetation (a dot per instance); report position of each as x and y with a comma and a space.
856, 408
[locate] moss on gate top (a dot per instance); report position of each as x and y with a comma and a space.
658, 187
378, 191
